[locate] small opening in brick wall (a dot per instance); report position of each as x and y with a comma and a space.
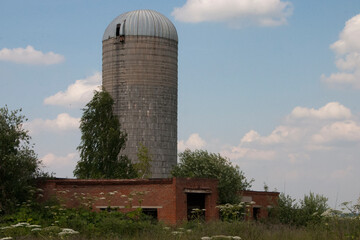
195, 205
256, 213
109, 209
152, 212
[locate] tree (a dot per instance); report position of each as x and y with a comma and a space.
143, 166
101, 142
311, 208
19, 165
201, 164
308, 211
287, 210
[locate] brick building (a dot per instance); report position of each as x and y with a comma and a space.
263, 201
169, 200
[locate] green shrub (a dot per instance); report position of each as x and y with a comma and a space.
311, 209
19, 166
202, 164
59, 223
55, 219
308, 212
232, 212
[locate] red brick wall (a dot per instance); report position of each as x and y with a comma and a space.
263, 200
211, 199
167, 195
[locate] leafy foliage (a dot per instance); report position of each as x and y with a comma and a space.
18, 162
202, 164
287, 209
353, 209
232, 212
52, 221
49, 220
101, 142
311, 208
309, 211
143, 166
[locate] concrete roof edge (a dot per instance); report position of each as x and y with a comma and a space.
67, 181
259, 192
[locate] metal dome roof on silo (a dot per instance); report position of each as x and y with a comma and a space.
142, 23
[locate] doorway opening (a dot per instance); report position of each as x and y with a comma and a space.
256, 213
195, 206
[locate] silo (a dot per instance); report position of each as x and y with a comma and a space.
139, 70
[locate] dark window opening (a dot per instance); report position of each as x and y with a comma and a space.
118, 30
152, 212
256, 213
109, 209
196, 206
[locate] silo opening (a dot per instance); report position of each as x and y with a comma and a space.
118, 30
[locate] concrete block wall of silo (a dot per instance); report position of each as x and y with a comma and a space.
140, 73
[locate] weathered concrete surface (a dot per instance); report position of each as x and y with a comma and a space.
140, 73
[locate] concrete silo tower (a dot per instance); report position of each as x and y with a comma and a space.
139, 70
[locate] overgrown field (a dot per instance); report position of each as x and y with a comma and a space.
52, 221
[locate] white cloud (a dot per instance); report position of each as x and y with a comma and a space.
350, 62
332, 110
251, 136
296, 158
312, 149
338, 131
341, 78
299, 134
77, 94
347, 49
237, 13
249, 153
192, 143
30, 56
52, 160
63, 166
63, 122
349, 37
280, 134
343, 173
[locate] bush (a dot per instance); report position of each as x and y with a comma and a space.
19, 165
84, 224
308, 211
52, 220
286, 211
202, 164
233, 212
311, 209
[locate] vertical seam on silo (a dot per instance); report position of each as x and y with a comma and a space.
147, 22
168, 29
137, 23
154, 22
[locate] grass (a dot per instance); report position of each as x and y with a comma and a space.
109, 228
52, 221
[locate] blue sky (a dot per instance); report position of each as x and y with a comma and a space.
273, 85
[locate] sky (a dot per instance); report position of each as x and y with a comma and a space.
273, 85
